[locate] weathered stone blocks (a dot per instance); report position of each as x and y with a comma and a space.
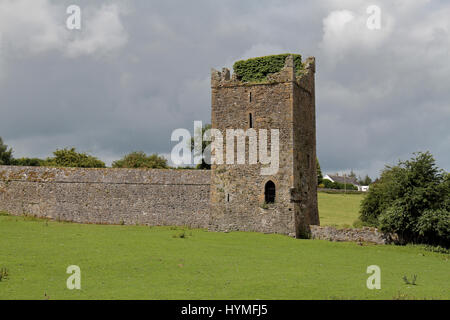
229, 197
285, 102
111, 196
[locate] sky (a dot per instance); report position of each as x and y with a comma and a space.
137, 70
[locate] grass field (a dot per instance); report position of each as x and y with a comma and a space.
138, 262
338, 209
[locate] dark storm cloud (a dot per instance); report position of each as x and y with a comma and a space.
140, 69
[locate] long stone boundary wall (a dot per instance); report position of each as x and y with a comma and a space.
129, 196
110, 196
365, 234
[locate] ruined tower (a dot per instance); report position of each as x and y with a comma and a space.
241, 197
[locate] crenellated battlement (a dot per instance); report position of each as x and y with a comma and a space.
224, 78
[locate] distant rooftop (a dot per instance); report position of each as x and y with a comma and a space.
342, 179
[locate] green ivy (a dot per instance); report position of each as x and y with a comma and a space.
257, 69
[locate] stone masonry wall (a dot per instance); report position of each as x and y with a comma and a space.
304, 153
365, 234
284, 102
110, 196
237, 191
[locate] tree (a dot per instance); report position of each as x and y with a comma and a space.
366, 181
71, 158
28, 162
139, 159
5, 154
411, 199
319, 173
203, 165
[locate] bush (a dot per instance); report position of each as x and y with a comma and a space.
396, 219
375, 202
140, 160
437, 249
434, 226
257, 69
28, 162
72, 158
411, 199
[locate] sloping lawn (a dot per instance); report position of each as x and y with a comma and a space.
340, 210
138, 262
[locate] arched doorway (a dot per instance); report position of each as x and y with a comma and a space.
269, 192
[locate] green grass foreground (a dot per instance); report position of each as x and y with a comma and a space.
138, 262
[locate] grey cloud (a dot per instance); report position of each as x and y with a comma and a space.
379, 97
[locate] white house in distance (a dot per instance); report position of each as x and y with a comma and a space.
345, 179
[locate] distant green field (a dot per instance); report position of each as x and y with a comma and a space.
138, 262
339, 209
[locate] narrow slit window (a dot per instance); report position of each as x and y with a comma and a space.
269, 192
250, 97
250, 120
228, 197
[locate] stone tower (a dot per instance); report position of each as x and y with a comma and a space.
241, 197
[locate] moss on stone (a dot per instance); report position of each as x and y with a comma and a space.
257, 69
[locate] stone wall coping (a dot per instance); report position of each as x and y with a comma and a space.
105, 175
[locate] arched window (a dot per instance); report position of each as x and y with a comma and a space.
269, 192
